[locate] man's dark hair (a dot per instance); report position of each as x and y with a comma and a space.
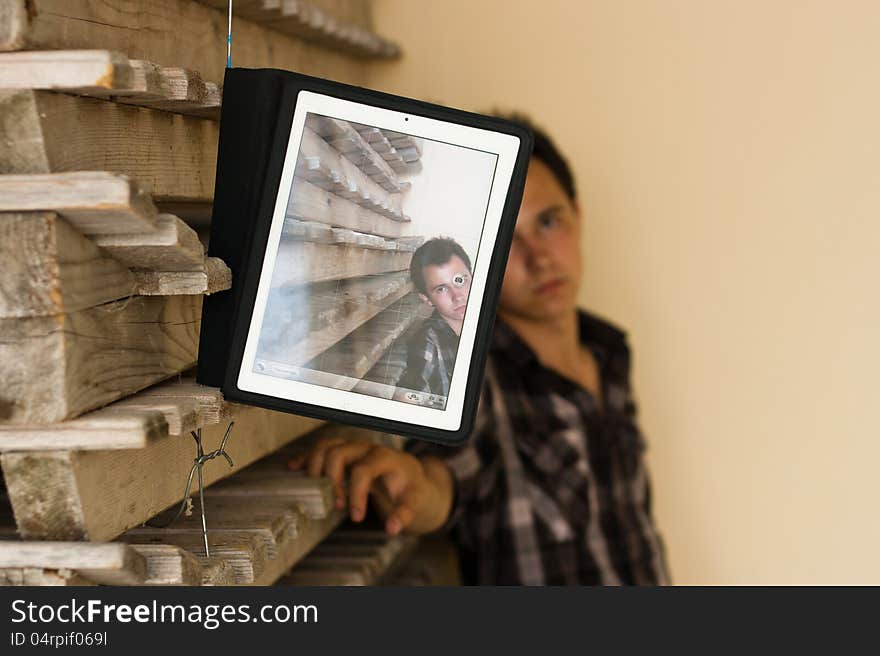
547, 152
434, 252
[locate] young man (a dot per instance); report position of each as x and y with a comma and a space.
551, 487
441, 273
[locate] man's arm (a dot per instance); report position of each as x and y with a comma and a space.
413, 494
420, 492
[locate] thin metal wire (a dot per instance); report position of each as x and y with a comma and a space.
229, 39
200, 459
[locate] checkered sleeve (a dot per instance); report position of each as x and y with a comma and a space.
468, 463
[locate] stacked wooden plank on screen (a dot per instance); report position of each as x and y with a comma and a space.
344, 253
108, 112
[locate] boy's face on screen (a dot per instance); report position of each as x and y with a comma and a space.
448, 286
544, 267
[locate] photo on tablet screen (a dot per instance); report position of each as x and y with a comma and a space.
372, 274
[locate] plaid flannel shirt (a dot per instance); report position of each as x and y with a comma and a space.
430, 357
550, 489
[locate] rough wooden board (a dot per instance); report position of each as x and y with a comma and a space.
89, 358
244, 553
171, 408
331, 26
172, 246
93, 72
369, 567
311, 535
335, 310
171, 157
354, 12
323, 577
212, 406
107, 428
275, 520
13, 25
177, 90
308, 202
181, 414
94, 202
169, 565
216, 277
49, 268
107, 74
303, 262
110, 564
164, 32
96, 495
314, 495
217, 571
32, 576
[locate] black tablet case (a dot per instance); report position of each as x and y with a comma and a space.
256, 116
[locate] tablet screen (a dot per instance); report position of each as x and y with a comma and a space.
375, 266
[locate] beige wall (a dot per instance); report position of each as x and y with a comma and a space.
728, 154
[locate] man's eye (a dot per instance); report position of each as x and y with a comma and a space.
441, 290
549, 221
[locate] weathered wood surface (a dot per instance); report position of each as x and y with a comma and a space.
49, 268
173, 408
164, 32
312, 534
274, 520
314, 495
108, 74
171, 157
31, 576
171, 246
94, 202
215, 278
244, 552
171, 89
216, 571
322, 165
91, 72
111, 564
342, 136
169, 565
334, 310
326, 234
398, 160
61, 366
309, 202
360, 557
347, 362
302, 262
97, 495
335, 26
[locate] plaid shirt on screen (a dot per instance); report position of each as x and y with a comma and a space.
430, 357
551, 489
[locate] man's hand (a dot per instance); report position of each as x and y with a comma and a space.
411, 494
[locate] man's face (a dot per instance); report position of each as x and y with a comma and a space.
544, 267
448, 286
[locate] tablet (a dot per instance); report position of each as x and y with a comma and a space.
374, 287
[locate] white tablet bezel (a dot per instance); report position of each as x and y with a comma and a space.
505, 146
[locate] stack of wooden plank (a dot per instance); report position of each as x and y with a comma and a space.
108, 115
346, 27
343, 255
